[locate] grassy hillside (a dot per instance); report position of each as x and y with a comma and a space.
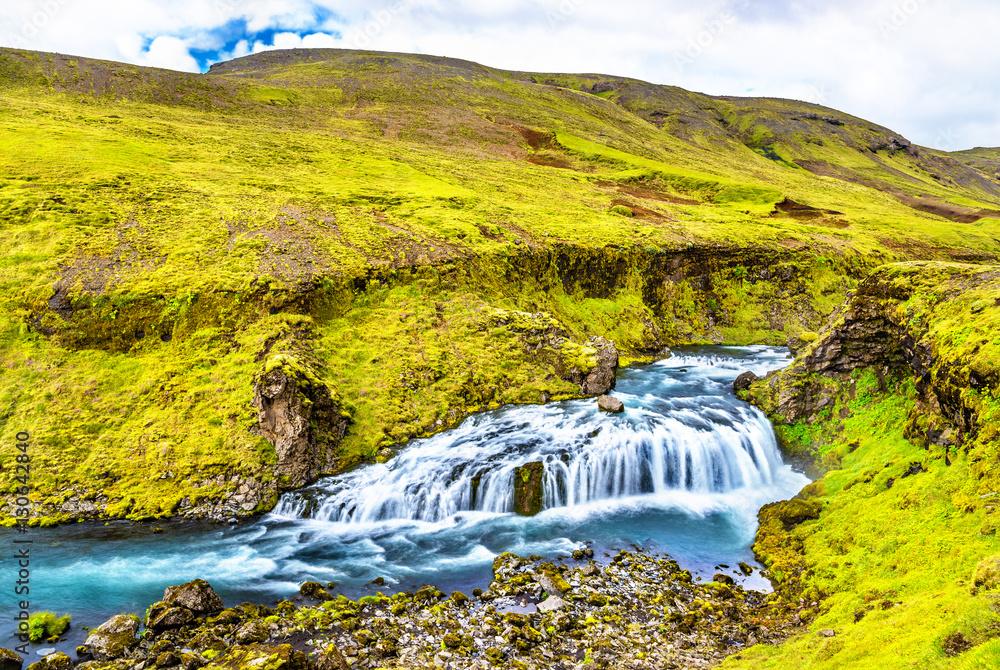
895, 549
422, 237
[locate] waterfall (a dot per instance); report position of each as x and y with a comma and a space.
665, 442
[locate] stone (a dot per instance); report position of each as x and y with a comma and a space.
287, 408
167, 659
262, 657
743, 382
332, 659
552, 604
607, 403
252, 631
114, 637
828, 633
56, 661
10, 660
553, 584
164, 617
197, 596
314, 590
721, 578
529, 487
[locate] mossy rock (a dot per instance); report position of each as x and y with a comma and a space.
529, 488
56, 661
114, 637
622, 210
262, 657
987, 573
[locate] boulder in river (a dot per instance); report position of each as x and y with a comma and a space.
197, 596
744, 381
9, 660
609, 403
114, 637
55, 661
529, 486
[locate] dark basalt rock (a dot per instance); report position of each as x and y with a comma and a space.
744, 381
529, 486
164, 617
9, 660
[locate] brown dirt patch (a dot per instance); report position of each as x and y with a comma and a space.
538, 140
797, 210
547, 160
95, 274
948, 210
647, 193
640, 212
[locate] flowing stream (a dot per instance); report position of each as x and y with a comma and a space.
682, 471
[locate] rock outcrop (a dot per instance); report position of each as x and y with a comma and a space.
529, 487
889, 326
593, 367
197, 596
299, 418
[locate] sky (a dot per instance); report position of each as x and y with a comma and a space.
927, 69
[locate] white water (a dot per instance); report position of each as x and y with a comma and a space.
683, 471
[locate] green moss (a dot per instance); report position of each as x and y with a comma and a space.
198, 230
44, 625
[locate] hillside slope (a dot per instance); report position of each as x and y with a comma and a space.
380, 244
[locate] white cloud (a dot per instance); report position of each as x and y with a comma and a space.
170, 53
921, 67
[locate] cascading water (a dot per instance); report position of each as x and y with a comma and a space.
683, 471
696, 444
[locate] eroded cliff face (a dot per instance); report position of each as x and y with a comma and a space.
395, 353
930, 322
894, 408
302, 423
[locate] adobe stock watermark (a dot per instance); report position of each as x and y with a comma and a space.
713, 29
22, 545
947, 139
818, 95
34, 24
563, 12
226, 8
899, 16
362, 37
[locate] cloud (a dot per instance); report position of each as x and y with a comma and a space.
169, 53
921, 67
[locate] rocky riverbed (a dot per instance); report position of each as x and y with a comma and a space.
631, 610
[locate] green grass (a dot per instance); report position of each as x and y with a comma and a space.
906, 523
340, 208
